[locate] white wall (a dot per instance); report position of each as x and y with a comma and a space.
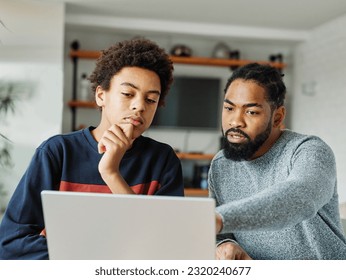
31, 51
318, 105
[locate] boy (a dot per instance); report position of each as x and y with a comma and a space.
130, 80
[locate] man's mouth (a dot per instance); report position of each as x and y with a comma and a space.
236, 137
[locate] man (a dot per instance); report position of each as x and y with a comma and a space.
275, 190
130, 80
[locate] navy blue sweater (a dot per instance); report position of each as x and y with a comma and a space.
70, 163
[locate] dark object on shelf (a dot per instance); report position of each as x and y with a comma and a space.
75, 45
234, 55
276, 58
181, 50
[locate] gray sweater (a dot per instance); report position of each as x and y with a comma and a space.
284, 204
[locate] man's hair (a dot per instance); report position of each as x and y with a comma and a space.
265, 76
138, 52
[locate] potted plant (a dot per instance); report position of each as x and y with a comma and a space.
5, 157
6, 105
11, 92
5, 162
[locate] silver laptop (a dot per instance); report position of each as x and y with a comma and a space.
94, 226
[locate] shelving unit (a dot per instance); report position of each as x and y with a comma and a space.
82, 104
195, 156
76, 54
196, 192
206, 61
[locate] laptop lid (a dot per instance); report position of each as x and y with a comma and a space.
94, 226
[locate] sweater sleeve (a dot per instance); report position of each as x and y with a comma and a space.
311, 183
23, 221
172, 178
220, 238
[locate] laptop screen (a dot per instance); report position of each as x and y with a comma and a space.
89, 226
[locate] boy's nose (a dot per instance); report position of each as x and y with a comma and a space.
138, 105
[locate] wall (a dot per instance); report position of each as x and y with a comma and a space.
31, 52
318, 104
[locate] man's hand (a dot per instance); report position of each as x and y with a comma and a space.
231, 251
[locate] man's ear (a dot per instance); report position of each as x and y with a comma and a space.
279, 116
100, 96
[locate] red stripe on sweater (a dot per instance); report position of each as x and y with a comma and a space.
148, 188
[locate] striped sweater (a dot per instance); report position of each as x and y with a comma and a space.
69, 162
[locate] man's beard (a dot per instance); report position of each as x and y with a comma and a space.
243, 151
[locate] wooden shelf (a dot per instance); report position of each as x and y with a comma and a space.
206, 61
82, 104
195, 156
85, 54
222, 62
195, 192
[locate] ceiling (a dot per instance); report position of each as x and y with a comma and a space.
271, 19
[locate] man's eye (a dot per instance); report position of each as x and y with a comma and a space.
126, 94
252, 112
227, 108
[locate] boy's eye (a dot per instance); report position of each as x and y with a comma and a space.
126, 93
151, 100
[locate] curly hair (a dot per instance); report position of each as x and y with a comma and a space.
138, 52
265, 76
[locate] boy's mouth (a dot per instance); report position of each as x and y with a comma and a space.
135, 120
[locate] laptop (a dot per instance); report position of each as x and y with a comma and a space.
95, 226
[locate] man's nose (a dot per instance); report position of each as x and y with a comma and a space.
236, 119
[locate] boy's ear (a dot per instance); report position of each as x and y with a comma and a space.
279, 116
99, 96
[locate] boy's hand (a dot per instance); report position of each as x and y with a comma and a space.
113, 144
